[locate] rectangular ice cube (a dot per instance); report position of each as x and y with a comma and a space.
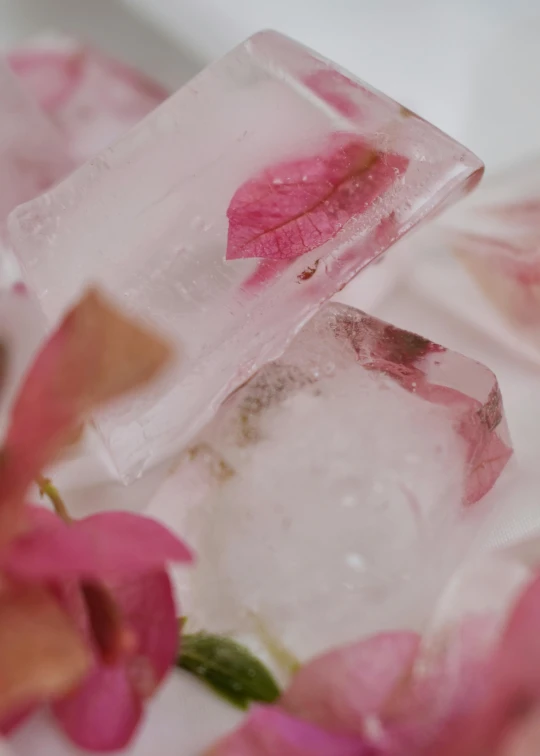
228, 215
92, 98
342, 484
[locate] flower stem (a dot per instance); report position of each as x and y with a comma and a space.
46, 488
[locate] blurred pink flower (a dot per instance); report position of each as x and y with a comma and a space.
367, 699
87, 616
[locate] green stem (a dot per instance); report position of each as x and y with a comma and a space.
46, 488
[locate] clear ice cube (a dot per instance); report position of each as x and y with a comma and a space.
271, 153
342, 485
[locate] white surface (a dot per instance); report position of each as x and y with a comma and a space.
469, 66
472, 67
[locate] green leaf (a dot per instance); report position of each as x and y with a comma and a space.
229, 668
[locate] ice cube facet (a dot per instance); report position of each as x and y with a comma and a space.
92, 98
273, 158
497, 237
336, 474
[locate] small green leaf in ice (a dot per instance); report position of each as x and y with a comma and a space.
229, 668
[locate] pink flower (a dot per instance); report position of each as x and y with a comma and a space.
87, 616
109, 572
368, 698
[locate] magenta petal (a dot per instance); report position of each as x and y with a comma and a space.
148, 606
296, 206
268, 731
512, 680
518, 661
265, 271
337, 90
338, 689
15, 719
109, 544
103, 713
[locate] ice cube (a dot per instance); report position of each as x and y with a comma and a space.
272, 153
342, 482
92, 98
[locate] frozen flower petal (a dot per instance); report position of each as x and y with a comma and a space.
297, 206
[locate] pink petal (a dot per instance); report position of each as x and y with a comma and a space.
51, 75
524, 740
271, 732
147, 605
487, 453
513, 683
297, 206
95, 355
265, 271
103, 713
15, 719
337, 90
91, 98
518, 660
486, 468
338, 689
109, 544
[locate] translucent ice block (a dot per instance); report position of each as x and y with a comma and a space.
342, 484
92, 98
497, 237
271, 153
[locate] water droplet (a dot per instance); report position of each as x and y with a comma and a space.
277, 181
